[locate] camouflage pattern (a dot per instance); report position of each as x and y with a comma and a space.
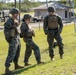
10, 29
52, 22
14, 42
26, 16
53, 33
14, 11
50, 38
29, 46
29, 43
51, 9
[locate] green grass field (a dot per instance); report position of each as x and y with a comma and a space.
1, 23
75, 10
65, 66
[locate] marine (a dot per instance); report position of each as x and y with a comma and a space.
27, 33
53, 26
13, 38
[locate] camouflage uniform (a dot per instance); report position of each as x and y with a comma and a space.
27, 36
13, 38
52, 28
13, 41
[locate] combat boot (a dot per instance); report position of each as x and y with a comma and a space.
26, 64
61, 56
7, 71
39, 62
52, 58
18, 67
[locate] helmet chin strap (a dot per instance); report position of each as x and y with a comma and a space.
14, 17
51, 13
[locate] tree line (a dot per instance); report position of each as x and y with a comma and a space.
26, 5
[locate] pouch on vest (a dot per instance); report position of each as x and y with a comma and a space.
12, 33
52, 22
7, 36
29, 33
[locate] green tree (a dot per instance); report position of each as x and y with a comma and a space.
15, 3
75, 3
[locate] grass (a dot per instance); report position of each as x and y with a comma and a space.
65, 66
1, 23
75, 10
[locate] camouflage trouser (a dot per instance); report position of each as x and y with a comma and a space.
29, 46
50, 38
13, 51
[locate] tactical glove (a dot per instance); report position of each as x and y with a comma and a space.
60, 30
17, 23
33, 33
46, 32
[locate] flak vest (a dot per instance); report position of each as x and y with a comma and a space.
10, 32
52, 22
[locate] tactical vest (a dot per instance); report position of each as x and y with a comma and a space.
9, 32
52, 22
26, 27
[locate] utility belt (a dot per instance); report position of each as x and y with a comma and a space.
26, 38
17, 36
53, 29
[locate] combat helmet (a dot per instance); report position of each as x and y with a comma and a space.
26, 16
51, 9
14, 11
